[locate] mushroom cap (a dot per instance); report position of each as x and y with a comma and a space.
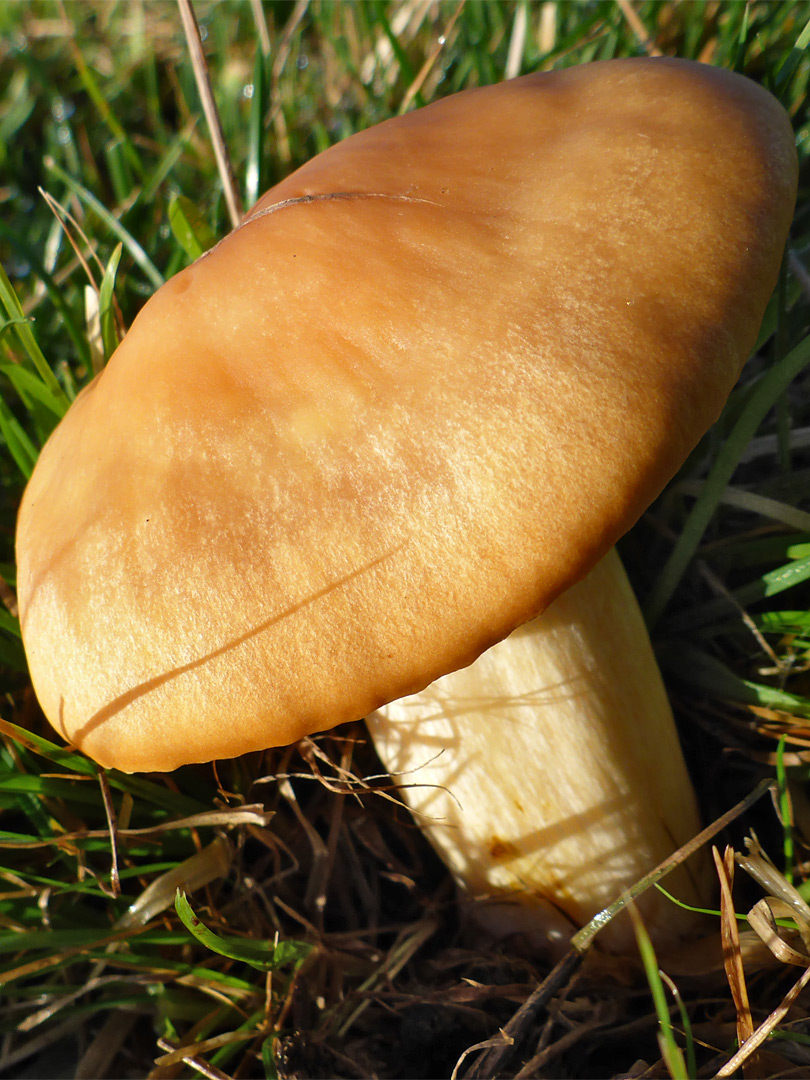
426, 385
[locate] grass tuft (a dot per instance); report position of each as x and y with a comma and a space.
315, 934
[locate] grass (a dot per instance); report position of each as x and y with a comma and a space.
320, 937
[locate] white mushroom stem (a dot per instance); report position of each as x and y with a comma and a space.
548, 774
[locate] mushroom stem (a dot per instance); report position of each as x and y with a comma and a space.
548, 774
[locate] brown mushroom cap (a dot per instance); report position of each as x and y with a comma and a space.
430, 381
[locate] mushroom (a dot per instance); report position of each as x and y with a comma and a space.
416, 396
548, 774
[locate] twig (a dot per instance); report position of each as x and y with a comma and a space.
765, 1028
752, 503
720, 588
205, 1068
495, 1042
198, 62
732, 955
241, 815
109, 810
547, 33
182, 1053
582, 940
496, 1059
12, 1058
638, 28
425, 69
62, 215
283, 49
261, 26
517, 43
285, 42
102, 1051
548, 1054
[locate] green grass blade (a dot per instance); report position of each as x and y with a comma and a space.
12, 654
105, 112
269, 1058
120, 172
9, 623
714, 912
55, 293
686, 1024
783, 622
50, 787
37, 397
670, 1051
189, 228
254, 171
111, 221
262, 956
21, 105
767, 585
408, 73
785, 577
19, 445
785, 812
109, 333
73, 761
66, 760
22, 327
793, 59
761, 400
741, 42
11, 649
37, 940
164, 167
708, 675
